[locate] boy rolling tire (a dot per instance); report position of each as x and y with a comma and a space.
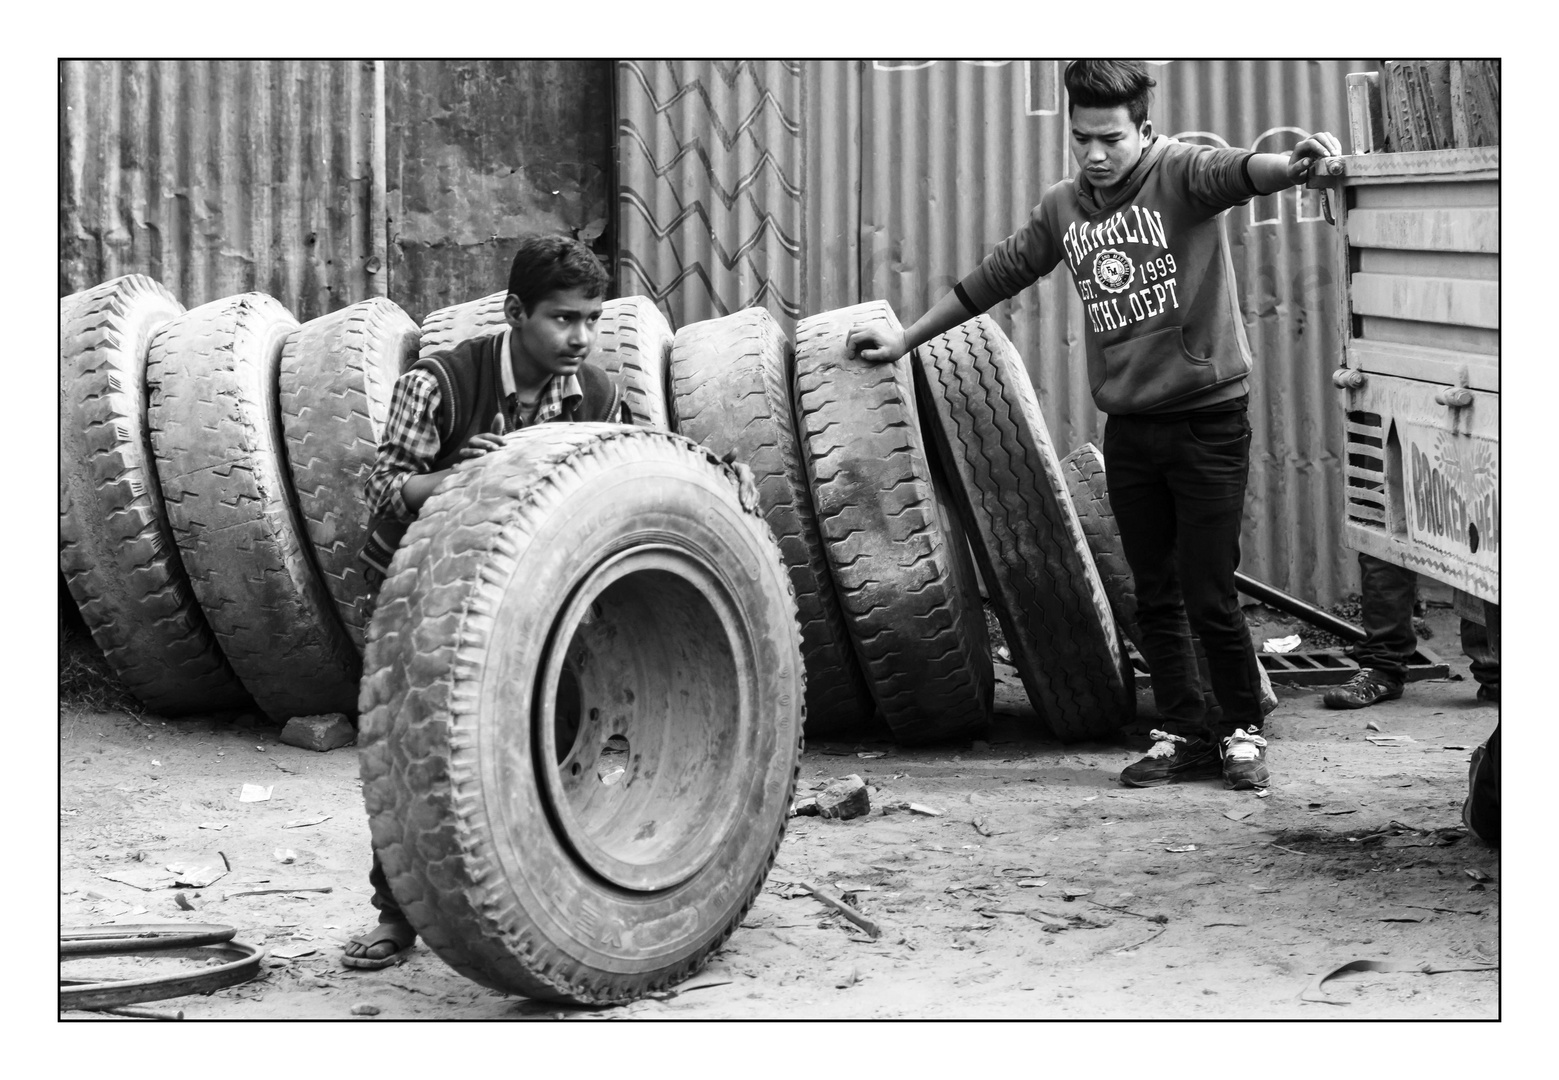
581, 713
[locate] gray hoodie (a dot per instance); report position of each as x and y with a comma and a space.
1163, 331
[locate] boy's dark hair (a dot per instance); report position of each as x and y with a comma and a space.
1104, 84
547, 264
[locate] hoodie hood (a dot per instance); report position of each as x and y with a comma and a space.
1088, 197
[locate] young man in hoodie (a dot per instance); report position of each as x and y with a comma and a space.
1168, 361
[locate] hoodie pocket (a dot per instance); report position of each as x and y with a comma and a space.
1151, 370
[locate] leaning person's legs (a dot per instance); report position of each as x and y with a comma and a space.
1144, 511
1386, 602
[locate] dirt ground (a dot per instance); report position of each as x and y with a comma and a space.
1043, 890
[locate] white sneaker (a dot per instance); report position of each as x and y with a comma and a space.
1244, 761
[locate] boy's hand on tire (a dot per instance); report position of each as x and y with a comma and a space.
479, 444
876, 344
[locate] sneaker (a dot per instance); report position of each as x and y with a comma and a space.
1173, 758
1244, 761
1365, 688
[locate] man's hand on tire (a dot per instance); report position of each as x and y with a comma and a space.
479, 444
876, 344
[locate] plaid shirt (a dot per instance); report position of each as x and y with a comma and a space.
410, 443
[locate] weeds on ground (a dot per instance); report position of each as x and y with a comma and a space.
87, 683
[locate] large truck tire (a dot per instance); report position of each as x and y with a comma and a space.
581, 713
117, 553
633, 345
337, 376
215, 422
986, 428
895, 546
730, 392
1090, 494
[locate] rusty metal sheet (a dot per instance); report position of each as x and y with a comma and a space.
220, 177
712, 168
482, 152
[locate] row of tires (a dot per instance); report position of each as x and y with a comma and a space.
211, 511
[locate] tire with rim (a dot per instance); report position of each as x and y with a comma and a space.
117, 552
633, 345
215, 422
337, 375
986, 427
895, 546
1090, 493
730, 392
581, 713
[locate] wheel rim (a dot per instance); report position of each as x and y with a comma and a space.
644, 704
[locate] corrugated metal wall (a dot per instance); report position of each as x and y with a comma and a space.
913, 170
481, 152
711, 173
217, 178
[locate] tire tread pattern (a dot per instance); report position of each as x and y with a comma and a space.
1029, 543
117, 551
337, 375
216, 435
917, 628
731, 392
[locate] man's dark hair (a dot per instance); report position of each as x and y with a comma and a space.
1104, 84
547, 264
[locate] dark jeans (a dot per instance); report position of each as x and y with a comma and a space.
389, 910
1387, 592
1178, 492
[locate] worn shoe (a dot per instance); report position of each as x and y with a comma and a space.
1365, 688
1172, 759
1244, 761
1488, 693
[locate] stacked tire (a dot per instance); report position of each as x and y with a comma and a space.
210, 491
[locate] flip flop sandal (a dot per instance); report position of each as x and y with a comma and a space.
402, 935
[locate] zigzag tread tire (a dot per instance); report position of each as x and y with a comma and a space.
988, 430
216, 434
730, 383
1085, 482
896, 549
116, 551
532, 596
633, 345
337, 375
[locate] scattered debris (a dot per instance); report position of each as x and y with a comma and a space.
1402, 916
912, 807
1032, 883
872, 929
1372, 726
1179, 848
1455, 746
1291, 851
214, 824
1476, 874
303, 823
320, 733
362, 1008
1390, 740
292, 952
1263, 793
844, 982
871, 754
1127, 949
979, 826
1074, 894
844, 799
285, 855
255, 793
1313, 991
804, 806
183, 901
268, 892
1281, 645
1238, 815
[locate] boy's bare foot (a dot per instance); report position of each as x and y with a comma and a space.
384, 944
